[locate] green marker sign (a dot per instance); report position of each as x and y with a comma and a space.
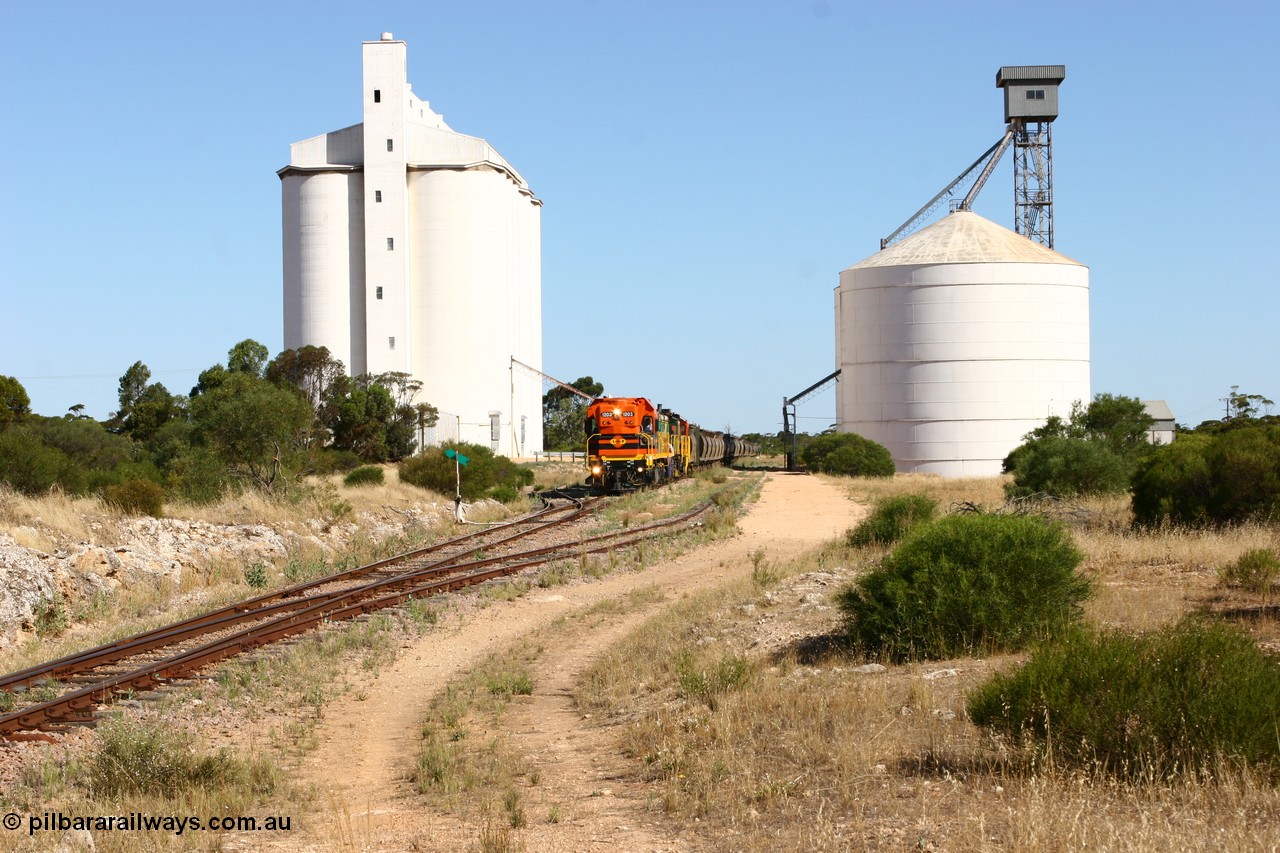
453, 454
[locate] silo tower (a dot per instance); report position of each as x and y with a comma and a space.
1030, 106
957, 341
412, 248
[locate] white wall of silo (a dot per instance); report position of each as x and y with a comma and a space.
409, 246
323, 221
476, 292
949, 365
527, 390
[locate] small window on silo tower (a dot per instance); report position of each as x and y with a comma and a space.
379, 293
390, 147
377, 96
391, 343
391, 244
377, 196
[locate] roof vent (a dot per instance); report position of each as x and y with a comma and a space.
387, 37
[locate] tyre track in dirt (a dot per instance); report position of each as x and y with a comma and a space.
367, 746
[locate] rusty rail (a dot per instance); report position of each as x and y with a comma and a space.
262, 604
279, 619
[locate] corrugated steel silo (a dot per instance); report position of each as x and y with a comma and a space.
957, 341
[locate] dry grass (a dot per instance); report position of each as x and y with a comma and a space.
279, 693
1146, 578
303, 676
555, 474
320, 497
48, 521
807, 752
56, 519
60, 787
986, 491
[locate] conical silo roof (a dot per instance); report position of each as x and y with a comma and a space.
964, 237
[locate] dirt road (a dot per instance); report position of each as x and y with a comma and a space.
583, 800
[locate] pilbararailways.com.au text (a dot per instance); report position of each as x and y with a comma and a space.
142, 822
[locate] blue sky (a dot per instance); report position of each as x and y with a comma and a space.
726, 159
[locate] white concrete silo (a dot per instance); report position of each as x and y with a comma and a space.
324, 297
478, 301
413, 248
957, 341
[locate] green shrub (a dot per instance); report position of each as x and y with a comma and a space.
504, 494
1173, 483
330, 460
510, 476
1245, 465
1172, 701
152, 757
143, 469
136, 497
708, 680
197, 476
507, 683
86, 441
32, 468
76, 455
1214, 478
431, 470
967, 584
369, 475
51, 617
1092, 452
847, 454
255, 575
1256, 571
892, 519
1067, 467
484, 471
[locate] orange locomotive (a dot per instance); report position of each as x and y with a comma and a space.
633, 443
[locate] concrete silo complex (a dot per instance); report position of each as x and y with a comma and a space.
957, 341
410, 247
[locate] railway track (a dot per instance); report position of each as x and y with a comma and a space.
87, 680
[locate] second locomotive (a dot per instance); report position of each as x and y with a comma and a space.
632, 443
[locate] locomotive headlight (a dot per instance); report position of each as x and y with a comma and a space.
595, 469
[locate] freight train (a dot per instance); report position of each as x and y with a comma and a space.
633, 443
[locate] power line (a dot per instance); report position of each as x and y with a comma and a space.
109, 375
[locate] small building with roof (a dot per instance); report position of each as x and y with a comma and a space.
1161, 432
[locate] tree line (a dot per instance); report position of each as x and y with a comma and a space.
253, 422
1223, 471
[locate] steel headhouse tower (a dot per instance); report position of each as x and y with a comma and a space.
1030, 106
